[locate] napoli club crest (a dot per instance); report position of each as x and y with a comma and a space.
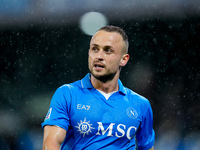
132, 113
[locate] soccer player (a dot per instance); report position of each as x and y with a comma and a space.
98, 112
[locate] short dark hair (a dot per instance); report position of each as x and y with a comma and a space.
111, 28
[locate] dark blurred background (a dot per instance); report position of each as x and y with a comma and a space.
44, 44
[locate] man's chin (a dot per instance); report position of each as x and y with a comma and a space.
98, 75
103, 77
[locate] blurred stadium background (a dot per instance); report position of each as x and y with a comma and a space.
44, 44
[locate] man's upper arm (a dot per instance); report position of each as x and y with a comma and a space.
145, 134
151, 148
53, 137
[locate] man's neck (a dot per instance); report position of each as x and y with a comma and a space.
107, 87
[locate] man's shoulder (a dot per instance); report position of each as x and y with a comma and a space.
134, 95
71, 86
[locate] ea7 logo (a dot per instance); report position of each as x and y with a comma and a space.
85, 107
120, 128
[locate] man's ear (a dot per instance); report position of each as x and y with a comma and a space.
124, 59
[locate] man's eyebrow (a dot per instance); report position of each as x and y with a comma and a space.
95, 45
107, 46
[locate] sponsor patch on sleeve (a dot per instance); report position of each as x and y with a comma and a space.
48, 114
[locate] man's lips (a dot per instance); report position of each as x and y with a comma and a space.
98, 65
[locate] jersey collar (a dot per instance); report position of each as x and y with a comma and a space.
86, 83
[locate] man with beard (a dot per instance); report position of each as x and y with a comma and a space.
98, 112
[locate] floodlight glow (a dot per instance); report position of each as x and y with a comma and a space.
91, 22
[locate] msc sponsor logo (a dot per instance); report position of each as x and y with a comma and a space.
85, 127
121, 128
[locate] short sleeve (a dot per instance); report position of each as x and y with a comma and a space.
146, 135
58, 113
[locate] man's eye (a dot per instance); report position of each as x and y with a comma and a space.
94, 49
108, 51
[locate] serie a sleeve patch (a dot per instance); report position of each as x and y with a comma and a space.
48, 114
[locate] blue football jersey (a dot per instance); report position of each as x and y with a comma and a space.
92, 122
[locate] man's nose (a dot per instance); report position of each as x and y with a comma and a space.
100, 54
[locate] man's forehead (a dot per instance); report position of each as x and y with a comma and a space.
102, 32
106, 36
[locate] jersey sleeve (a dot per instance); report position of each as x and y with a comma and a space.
58, 113
146, 135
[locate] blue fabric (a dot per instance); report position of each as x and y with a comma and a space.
92, 122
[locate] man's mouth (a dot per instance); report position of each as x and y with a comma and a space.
98, 65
